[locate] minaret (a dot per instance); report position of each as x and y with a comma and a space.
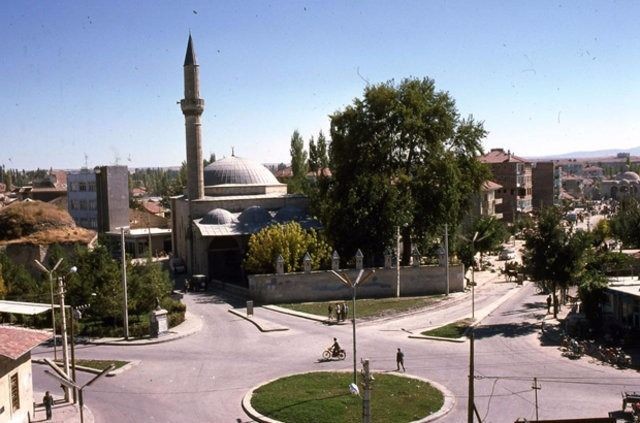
192, 107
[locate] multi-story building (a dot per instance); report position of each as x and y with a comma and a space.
99, 199
546, 183
514, 174
485, 202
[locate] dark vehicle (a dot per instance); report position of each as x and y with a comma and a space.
328, 354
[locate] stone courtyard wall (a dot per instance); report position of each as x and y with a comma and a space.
324, 286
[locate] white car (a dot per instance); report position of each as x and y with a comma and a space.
507, 254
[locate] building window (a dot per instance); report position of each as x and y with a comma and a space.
15, 393
92, 204
75, 205
83, 186
92, 186
83, 205
74, 186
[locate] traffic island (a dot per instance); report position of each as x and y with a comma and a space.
318, 397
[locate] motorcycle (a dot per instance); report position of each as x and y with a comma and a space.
329, 354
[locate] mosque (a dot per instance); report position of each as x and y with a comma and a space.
226, 201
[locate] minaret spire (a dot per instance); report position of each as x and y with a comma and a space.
192, 107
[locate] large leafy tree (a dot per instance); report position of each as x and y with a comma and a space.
554, 257
400, 156
289, 241
625, 224
482, 235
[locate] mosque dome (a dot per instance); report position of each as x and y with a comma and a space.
218, 217
628, 176
254, 215
237, 171
289, 213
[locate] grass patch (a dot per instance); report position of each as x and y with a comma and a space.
99, 364
452, 330
324, 397
369, 308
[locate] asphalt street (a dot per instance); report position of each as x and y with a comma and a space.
203, 378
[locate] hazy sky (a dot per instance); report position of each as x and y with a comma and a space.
102, 78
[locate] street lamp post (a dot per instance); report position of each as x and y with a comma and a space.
65, 342
53, 313
360, 279
398, 262
125, 301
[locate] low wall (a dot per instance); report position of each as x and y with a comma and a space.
324, 286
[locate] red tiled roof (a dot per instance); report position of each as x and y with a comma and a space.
498, 155
15, 342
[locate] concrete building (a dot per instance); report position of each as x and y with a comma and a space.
226, 202
485, 202
514, 174
622, 301
624, 185
546, 183
16, 387
98, 199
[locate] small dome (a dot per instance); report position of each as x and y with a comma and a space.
255, 215
289, 213
218, 217
238, 171
628, 176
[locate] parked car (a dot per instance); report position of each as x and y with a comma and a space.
507, 254
176, 264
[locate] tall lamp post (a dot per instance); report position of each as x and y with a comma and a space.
125, 301
65, 342
360, 279
53, 313
473, 271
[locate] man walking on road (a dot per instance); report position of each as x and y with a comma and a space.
399, 360
47, 400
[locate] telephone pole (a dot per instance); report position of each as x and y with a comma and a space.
470, 404
366, 401
536, 388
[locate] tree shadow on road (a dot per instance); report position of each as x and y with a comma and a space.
507, 330
218, 297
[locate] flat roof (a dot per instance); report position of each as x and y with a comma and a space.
19, 307
629, 285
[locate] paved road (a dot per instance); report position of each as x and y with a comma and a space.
204, 377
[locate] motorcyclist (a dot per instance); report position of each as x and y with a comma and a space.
335, 348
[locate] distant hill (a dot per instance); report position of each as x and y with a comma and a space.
635, 151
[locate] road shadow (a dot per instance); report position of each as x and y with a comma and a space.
507, 330
216, 297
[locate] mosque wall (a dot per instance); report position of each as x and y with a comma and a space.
323, 286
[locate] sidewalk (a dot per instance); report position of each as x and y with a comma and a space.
62, 411
192, 324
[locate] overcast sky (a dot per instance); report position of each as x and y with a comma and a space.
102, 78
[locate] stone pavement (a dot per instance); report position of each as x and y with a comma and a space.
62, 411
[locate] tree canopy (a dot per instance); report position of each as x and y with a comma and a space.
298, 164
400, 156
554, 257
625, 224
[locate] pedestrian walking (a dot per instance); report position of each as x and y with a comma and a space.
399, 360
330, 311
548, 303
338, 313
47, 400
345, 309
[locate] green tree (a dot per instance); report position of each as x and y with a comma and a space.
212, 158
146, 282
554, 257
483, 235
289, 241
601, 232
314, 164
625, 224
401, 155
297, 183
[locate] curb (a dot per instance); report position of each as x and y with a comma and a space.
482, 314
85, 369
255, 323
301, 314
449, 398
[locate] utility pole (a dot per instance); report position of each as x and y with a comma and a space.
536, 388
125, 307
53, 313
366, 401
65, 345
446, 252
470, 406
398, 261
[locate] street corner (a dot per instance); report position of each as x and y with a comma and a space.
61, 412
263, 325
124, 368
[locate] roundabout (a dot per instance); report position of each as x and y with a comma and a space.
323, 396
